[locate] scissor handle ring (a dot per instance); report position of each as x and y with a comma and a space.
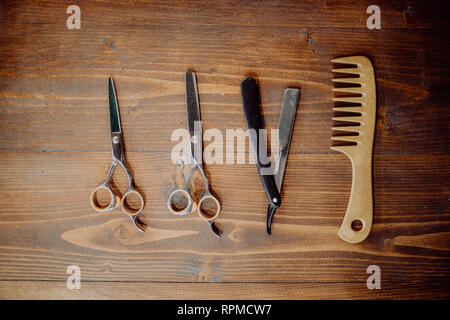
204, 215
128, 210
189, 207
114, 199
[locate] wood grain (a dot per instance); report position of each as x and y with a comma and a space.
187, 291
54, 150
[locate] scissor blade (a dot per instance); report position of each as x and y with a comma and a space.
285, 128
193, 116
114, 116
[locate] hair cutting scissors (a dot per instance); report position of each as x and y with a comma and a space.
118, 158
194, 159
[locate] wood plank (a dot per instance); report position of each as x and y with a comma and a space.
336, 14
56, 227
44, 121
216, 291
57, 99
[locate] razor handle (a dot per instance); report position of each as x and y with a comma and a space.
250, 101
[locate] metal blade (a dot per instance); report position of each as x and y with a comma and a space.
285, 128
114, 116
193, 116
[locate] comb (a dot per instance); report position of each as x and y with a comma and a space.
358, 90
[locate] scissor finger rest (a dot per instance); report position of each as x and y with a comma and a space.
138, 223
180, 202
114, 200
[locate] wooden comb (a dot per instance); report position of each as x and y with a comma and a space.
360, 95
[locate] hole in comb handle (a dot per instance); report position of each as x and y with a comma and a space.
357, 225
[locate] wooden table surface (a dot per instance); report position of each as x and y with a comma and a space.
54, 149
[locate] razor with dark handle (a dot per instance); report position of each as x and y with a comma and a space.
250, 101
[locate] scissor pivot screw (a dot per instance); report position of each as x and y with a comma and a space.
275, 200
194, 139
115, 140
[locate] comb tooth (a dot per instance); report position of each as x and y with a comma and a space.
348, 119
349, 109
345, 60
346, 138
349, 99
349, 90
360, 61
351, 129
348, 80
347, 70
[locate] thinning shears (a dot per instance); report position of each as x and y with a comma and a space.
118, 158
208, 206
